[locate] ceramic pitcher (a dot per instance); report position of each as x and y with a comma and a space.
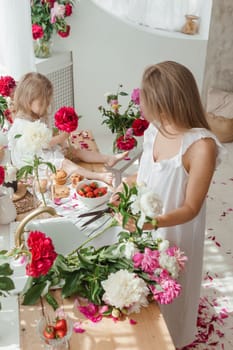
7, 207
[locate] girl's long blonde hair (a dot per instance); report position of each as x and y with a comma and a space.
169, 89
32, 86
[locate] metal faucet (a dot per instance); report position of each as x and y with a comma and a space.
20, 229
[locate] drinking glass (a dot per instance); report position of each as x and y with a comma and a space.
56, 343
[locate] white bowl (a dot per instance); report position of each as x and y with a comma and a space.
96, 201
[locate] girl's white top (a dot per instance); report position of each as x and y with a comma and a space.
168, 179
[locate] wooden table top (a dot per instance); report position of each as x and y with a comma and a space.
150, 331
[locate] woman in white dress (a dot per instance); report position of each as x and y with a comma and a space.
178, 161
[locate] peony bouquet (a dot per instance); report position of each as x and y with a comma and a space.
7, 86
128, 124
114, 280
49, 16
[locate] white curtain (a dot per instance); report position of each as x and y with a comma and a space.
16, 46
160, 14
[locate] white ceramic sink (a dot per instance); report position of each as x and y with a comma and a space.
66, 236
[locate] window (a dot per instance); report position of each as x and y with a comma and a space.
158, 14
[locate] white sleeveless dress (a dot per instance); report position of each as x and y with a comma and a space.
168, 179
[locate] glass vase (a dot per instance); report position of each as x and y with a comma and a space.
43, 48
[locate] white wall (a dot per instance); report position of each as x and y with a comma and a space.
107, 51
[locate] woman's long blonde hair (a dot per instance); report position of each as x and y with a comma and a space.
169, 89
32, 86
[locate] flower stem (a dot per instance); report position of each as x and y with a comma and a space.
112, 224
39, 185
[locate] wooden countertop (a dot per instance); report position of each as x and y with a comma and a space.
150, 332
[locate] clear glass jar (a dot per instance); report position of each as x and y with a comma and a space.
42, 48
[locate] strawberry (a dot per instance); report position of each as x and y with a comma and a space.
49, 332
60, 324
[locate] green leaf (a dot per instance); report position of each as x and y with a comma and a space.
17, 136
96, 292
71, 285
33, 294
5, 270
24, 171
6, 284
52, 301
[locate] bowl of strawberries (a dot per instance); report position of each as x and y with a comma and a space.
56, 333
93, 193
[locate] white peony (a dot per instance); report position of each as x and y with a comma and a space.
163, 245
146, 203
169, 263
130, 250
125, 289
126, 250
35, 136
10, 173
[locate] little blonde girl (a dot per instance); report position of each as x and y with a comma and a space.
32, 101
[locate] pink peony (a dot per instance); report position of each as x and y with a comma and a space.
148, 261
170, 289
91, 311
37, 31
179, 255
135, 96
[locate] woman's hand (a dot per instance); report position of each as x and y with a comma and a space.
128, 180
129, 226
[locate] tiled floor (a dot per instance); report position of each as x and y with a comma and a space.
216, 306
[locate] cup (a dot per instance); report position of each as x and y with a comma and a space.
55, 343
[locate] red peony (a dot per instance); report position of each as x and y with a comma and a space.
7, 115
66, 119
68, 10
49, 2
2, 174
139, 126
7, 85
125, 143
37, 31
42, 254
65, 33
